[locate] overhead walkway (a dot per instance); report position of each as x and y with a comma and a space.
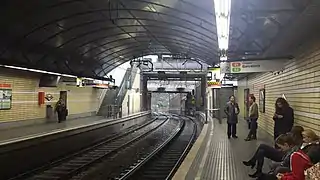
215, 157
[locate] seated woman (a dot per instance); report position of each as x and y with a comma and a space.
309, 138
300, 161
297, 134
286, 144
272, 153
284, 166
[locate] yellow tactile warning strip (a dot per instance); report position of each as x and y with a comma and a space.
206, 152
188, 161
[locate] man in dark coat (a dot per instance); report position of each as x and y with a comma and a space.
62, 110
232, 110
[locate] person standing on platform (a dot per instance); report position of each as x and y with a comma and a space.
232, 110
283, 118
61, 110
253, 118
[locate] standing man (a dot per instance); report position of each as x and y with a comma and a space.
253, 118
61, 110
232, 110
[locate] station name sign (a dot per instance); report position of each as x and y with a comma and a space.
251, 66
214, 84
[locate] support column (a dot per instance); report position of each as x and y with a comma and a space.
204, 107
149, 96
144, 92
180, 102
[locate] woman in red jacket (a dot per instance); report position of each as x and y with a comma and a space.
300, 161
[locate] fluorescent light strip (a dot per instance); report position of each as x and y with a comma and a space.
223, 11
38, 71
43, 72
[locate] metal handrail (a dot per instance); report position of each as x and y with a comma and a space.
216, 110
130, 75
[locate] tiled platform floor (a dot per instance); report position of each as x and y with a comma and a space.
220, 158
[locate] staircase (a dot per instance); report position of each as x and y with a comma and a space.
111, 105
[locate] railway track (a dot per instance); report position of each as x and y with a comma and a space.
151, 151
114, 165
67, 167
164, 161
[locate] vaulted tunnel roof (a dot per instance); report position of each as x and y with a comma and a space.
266, 28
271, 29
91, 37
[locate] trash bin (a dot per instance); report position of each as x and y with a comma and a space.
49, 112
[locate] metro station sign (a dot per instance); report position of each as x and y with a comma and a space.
5, 86
251, 66
213, 84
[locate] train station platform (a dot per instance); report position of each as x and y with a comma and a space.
22, 133
215, 157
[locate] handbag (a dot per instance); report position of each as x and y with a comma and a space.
249, 123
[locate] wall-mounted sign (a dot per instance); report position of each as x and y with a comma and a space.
215, 78
213, 84
8, 86
5, 96
209, 76
215, 73
262, 96
49, 97
251, 66
103, 86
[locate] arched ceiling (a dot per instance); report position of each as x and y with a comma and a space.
91, 37
269, 28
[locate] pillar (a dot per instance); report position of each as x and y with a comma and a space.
204, 107
203, 93
149, 96
144, 93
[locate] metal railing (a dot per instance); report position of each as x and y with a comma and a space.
111, 105
112, 111
215, 113
127, 83
101, 97
201, 116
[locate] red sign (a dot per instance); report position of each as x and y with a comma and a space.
236, 64
5, 85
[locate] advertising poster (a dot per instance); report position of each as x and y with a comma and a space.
5, 99
262, 97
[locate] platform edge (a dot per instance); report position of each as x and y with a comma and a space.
187, 163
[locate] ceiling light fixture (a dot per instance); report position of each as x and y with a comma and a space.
37, 71
223, 11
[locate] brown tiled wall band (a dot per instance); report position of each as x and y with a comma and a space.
25, 96
299, 81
